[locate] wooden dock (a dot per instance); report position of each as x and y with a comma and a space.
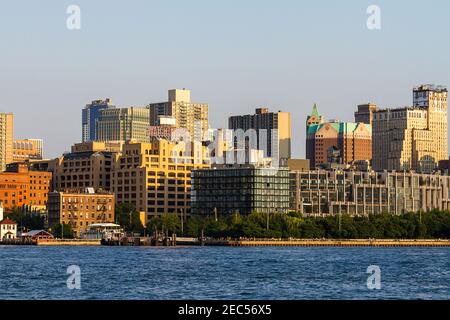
153, 242
334, 243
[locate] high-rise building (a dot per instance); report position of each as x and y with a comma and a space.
6, 139
188, 115
277, 141
335, 141
21, 187
80, 209
122, 124
90, 116
242, 189
27, 149
413, 138
365, 113
88, 165
156, 177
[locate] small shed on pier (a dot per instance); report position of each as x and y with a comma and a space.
35, 235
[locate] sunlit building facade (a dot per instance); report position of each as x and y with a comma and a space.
6, 139
27, 149
413, 138
80, 209
156, 177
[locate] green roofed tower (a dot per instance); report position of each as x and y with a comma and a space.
314, 118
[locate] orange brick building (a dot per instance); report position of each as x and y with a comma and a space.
21, 187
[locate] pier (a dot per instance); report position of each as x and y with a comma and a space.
68, 242
153, 241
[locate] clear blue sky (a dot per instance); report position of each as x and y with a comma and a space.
234, 55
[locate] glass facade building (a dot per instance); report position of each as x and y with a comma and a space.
243, 190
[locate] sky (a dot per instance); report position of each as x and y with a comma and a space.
235, 55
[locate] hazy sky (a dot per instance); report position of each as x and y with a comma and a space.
234, 55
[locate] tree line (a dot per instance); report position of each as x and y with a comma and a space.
428, 225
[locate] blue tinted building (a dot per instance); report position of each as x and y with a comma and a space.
90, 116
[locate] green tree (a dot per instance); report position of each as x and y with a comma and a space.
235, 224
309, 229
254, 225
67, 230
172, 223
27, 220
128, 218
195, 225
216, 229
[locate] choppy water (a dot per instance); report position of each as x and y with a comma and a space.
223, 273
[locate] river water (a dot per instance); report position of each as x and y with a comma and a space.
30, 272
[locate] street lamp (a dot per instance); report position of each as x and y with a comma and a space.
340, 224
182, 222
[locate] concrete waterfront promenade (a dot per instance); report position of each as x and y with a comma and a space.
332, 243
68, 242
275, 243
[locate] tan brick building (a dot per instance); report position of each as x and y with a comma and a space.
365, 113
156, 177
80, 209
27, 149
188, 115
277, 126
413, 138
6, 139
88, 165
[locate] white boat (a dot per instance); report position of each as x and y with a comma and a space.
105, 231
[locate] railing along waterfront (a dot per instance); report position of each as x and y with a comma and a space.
330, 243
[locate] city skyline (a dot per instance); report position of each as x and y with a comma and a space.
52, 67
